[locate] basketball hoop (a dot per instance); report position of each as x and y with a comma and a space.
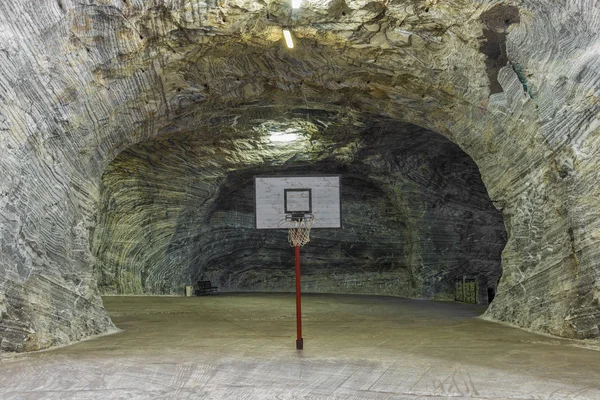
292, 202
299, 234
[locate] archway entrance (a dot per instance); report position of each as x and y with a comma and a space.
417, 219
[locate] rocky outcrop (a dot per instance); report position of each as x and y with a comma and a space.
80, 82
416, 215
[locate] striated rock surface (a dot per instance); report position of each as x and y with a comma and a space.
80, 82
415, 214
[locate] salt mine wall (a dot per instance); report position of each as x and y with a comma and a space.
416, 216
80, 82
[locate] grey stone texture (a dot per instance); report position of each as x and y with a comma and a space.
80, 82
415, 216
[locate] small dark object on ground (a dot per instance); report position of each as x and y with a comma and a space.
205, 288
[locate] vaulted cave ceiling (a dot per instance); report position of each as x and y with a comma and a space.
85, 84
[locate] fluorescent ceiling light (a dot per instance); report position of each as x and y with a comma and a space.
283, 137
296, 3
288, 38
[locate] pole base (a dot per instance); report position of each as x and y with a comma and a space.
300, 344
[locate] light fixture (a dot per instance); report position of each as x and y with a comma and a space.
296, 3
283, 137
288, 38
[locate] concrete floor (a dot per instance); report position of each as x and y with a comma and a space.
242, 346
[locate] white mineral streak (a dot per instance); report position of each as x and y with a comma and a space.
82, 81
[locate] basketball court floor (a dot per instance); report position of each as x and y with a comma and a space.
242, 346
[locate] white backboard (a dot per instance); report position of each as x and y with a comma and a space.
318, 195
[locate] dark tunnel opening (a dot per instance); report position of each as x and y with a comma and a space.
417, 220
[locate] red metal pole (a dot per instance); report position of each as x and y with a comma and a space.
299, 339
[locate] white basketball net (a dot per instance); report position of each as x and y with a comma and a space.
299, 235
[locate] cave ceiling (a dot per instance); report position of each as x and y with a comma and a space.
224, 60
